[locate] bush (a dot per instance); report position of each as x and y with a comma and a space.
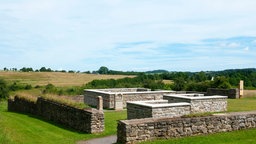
4, 91
19, 86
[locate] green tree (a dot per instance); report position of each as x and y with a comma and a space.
179, 84
221, 82
103, 70
4, 91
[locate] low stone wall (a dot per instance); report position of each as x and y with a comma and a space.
200, 104
156, 109
90, 98
144, 96
137, 130
121, 94
231, 93
87, 120
120, 90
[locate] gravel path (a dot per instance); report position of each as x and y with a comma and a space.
104, 140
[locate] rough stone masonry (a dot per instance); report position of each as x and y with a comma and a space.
137, 130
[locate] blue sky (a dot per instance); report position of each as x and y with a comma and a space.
128, 35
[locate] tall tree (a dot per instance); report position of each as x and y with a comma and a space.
103, 70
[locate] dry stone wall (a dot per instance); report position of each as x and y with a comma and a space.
90, 98
201, 104
231, 93
137, 130
88, 120
160, 108
127, 94
144, 96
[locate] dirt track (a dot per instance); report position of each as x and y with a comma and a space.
104, 140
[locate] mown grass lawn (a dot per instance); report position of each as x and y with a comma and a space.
19, 128
235, 137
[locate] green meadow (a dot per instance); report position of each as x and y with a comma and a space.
18, 128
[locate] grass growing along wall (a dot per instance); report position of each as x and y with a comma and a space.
68, 102
79, 105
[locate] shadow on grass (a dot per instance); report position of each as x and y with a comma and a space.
62, 126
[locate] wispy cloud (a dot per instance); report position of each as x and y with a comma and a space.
128, 35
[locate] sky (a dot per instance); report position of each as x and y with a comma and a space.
128, 35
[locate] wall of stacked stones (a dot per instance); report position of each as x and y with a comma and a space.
143, 96
22, 105
135, 111
208, 105
137, 130
201, 105
89, 120
90, 98
231, 93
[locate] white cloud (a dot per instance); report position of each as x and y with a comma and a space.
233, 45
246, 49
254, 42
88, 32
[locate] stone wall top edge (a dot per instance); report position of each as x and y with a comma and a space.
98, 91
197, 98
145, 104
150, 120
147, 92
139, 92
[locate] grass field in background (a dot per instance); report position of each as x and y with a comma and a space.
56, 78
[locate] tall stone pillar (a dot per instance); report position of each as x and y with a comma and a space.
118, 102
241, 88
100, 103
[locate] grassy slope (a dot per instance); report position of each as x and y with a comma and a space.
20, 128
55, 78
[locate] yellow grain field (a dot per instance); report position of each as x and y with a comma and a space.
55, 78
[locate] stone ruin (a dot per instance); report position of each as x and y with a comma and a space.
116, 98
175, 105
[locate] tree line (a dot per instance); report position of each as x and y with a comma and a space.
188, 81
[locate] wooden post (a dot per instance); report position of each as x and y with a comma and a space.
241, 88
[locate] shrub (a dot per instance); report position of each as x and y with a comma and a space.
19, 86
4, 91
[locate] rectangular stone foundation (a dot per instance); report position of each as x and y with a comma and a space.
116, 98
200, 103
156, 109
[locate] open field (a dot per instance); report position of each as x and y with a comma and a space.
19, 128
249, 93
55, 78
